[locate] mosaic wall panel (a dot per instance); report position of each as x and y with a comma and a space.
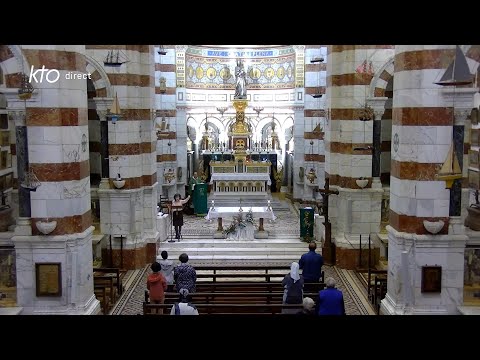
215, 69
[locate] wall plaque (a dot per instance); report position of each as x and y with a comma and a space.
431, 279
48, 279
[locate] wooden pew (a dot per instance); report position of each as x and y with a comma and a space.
371, 280
224, 309
116, 273
243, 287
105, 291
262, 271
233, 297
100, 292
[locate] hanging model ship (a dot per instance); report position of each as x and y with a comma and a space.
450, 170
114, 59
457, 73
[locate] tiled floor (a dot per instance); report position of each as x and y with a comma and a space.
285, 226
355, 302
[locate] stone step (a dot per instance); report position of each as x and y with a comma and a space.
227, 251
269, 243
258, 257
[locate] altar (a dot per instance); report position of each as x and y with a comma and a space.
258, 212
242, 184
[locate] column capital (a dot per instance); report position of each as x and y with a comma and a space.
18, 116
378, 105
103, 105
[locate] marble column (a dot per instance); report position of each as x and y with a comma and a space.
422, 128
60, 162
102, 106
128, 213
348, 149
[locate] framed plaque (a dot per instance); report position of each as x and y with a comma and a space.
431, 279
48, 279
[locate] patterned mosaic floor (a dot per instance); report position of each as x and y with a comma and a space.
287, 222
286, 225
355, 302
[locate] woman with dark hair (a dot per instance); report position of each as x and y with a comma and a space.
177, 213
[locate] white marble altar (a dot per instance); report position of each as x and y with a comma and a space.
235, 185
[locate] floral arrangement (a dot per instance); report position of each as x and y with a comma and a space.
240, 222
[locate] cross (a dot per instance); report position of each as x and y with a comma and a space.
328, 249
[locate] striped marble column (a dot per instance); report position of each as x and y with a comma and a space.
421, 138
356, 211
314, 117
57, 128
129, 214
165, 105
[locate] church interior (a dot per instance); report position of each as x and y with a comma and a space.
370, 151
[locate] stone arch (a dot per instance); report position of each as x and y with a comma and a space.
12, 64
103, 87
381, 78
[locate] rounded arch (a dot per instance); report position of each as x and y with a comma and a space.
381, 78
12, 64
288, 122
103, 87
472, 52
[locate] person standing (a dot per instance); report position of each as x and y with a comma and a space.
177, 213
184, 275
293, 285
167, 270
311, 263
156, 285
194, 180
330, 300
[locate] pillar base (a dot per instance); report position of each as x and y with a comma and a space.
261, 234
407, 255
104, 183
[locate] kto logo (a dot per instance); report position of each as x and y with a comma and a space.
49, 77
52, 75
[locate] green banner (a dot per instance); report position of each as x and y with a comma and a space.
307, 223
200, 199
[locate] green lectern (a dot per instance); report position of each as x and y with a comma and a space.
307, 219
200, 207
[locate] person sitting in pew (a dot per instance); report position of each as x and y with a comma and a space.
293, 285
308, 307
183, 307
330, 300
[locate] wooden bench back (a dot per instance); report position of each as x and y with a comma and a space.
224, 309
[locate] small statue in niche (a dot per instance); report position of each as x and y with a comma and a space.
301, 173
163, 85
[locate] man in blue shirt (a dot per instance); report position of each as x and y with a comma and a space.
311, 264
